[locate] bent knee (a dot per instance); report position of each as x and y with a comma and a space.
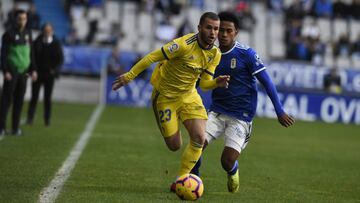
174, 147
199, 138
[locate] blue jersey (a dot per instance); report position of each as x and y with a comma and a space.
239, 100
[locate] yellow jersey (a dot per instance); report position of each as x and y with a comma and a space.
185, 61
181, 62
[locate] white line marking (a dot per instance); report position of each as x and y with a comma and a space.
2, 137
50, 193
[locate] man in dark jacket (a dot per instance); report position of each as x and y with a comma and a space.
49, 58
16, 63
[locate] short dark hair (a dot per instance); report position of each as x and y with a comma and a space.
211, 15
18, 12
231, 17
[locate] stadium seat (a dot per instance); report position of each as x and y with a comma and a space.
259, 32
354, 29
325, 29
340, 27
112, 11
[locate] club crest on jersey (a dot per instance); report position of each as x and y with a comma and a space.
258, 60
233, 63
174, 47
209, 59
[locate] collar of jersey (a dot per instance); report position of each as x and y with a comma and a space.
230, 49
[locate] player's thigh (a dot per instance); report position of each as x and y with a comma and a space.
191, 107
215, 126
237, 134
196, 129
166, 115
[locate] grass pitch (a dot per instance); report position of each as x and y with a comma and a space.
126, 160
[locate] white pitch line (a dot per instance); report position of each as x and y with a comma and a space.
50, 193
2, 137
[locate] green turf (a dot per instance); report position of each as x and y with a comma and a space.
126, 160
28, 163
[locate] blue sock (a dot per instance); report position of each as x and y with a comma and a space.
196, 169
234, 168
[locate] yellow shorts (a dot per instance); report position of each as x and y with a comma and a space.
168, 111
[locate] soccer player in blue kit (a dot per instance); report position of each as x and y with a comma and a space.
233, 108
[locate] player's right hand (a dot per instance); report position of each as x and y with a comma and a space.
119, 82
8, 76
286, 120
223, 81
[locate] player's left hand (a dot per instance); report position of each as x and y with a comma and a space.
223, 81
286, 120
119, 82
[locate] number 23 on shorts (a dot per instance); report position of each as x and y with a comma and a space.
165, 115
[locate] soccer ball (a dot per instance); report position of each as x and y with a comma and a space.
189, 187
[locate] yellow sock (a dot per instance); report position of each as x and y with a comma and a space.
190, 156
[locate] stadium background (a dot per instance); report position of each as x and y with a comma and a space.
91, 29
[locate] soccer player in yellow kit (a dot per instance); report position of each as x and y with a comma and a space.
181, 63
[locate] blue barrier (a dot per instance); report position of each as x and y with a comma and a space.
305, 106
90, 60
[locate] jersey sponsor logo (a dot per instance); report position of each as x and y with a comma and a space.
233, 63
258, 60
174, 47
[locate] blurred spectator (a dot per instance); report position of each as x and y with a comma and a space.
49, 58
72, 38
11, 20
332, 82
355, 48
302, 50
184, 28
311, 30
16, 62
93, 29
317, 50
168, 7
113, 62
33, 18
1, 13
323, 8
276, 6
295, 11
342, 47
246, 19
114, 36
341, 10
200, 4
293, 38
68, 4
165, 31
355, 9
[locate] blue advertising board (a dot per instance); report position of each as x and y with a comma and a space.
305, 106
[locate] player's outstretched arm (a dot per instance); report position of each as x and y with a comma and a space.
139, 67
286, 120
119, 82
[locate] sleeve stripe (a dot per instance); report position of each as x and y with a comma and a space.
208, 72
261, 69
162, 50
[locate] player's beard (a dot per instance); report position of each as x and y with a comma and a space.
206, 40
